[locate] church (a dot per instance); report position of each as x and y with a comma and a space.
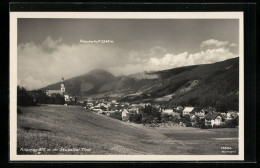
61, 91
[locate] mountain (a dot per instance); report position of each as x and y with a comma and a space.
184, 85
90, 83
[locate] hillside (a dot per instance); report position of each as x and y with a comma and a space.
185, 85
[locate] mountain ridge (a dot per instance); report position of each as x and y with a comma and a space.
220, 78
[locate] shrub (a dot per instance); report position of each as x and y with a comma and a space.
208, 126
147, 120
219, 126
166, 117
182, 120
156, 120
187, 117
198, 124
188, 124
195, 119
175, 119
229, 124
136, 118
203, 126
116, 115
235, 121
163, 121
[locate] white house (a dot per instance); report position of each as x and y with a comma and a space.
187, 110
97, 106
110, 112
67, 97
125, 115
90, 104
179, 108
171, 112
213, 119
231, 115
97, 109
167, 111
134, 109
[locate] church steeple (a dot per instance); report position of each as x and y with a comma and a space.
62, 79
62, 87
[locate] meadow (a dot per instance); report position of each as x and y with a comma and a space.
72, 130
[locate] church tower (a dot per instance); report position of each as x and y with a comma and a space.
62, 87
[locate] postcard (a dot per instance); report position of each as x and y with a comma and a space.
126, 86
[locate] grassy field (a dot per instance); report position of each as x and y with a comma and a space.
54, 129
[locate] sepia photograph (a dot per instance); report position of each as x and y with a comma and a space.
126, 86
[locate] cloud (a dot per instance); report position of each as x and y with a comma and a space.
210, 56
134, 56
212, 43
171, 60
51, 59
45, 63
32, 83
50, 43
233, 45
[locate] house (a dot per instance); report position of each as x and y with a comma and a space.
167, 111
97, 105
213, 119
113, 101
134, 110
110, 112
201, 113
125, 115
231, 115
97, 109
80, 101
171, 112
67, 97
187, 111
90, 104
195, 110
179, 108
224, 115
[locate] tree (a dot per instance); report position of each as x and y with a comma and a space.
24, 98
56, 98
151, 111
187, 117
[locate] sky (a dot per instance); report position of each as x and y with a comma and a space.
51, 48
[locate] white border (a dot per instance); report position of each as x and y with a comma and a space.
121, 15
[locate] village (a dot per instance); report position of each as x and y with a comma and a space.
154, 113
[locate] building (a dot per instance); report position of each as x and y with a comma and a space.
213, 119
231, 115
187, 111
167, 111
61, 91
179, 108
125, 115
201, 113
172, 113
67, 97
50, 92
